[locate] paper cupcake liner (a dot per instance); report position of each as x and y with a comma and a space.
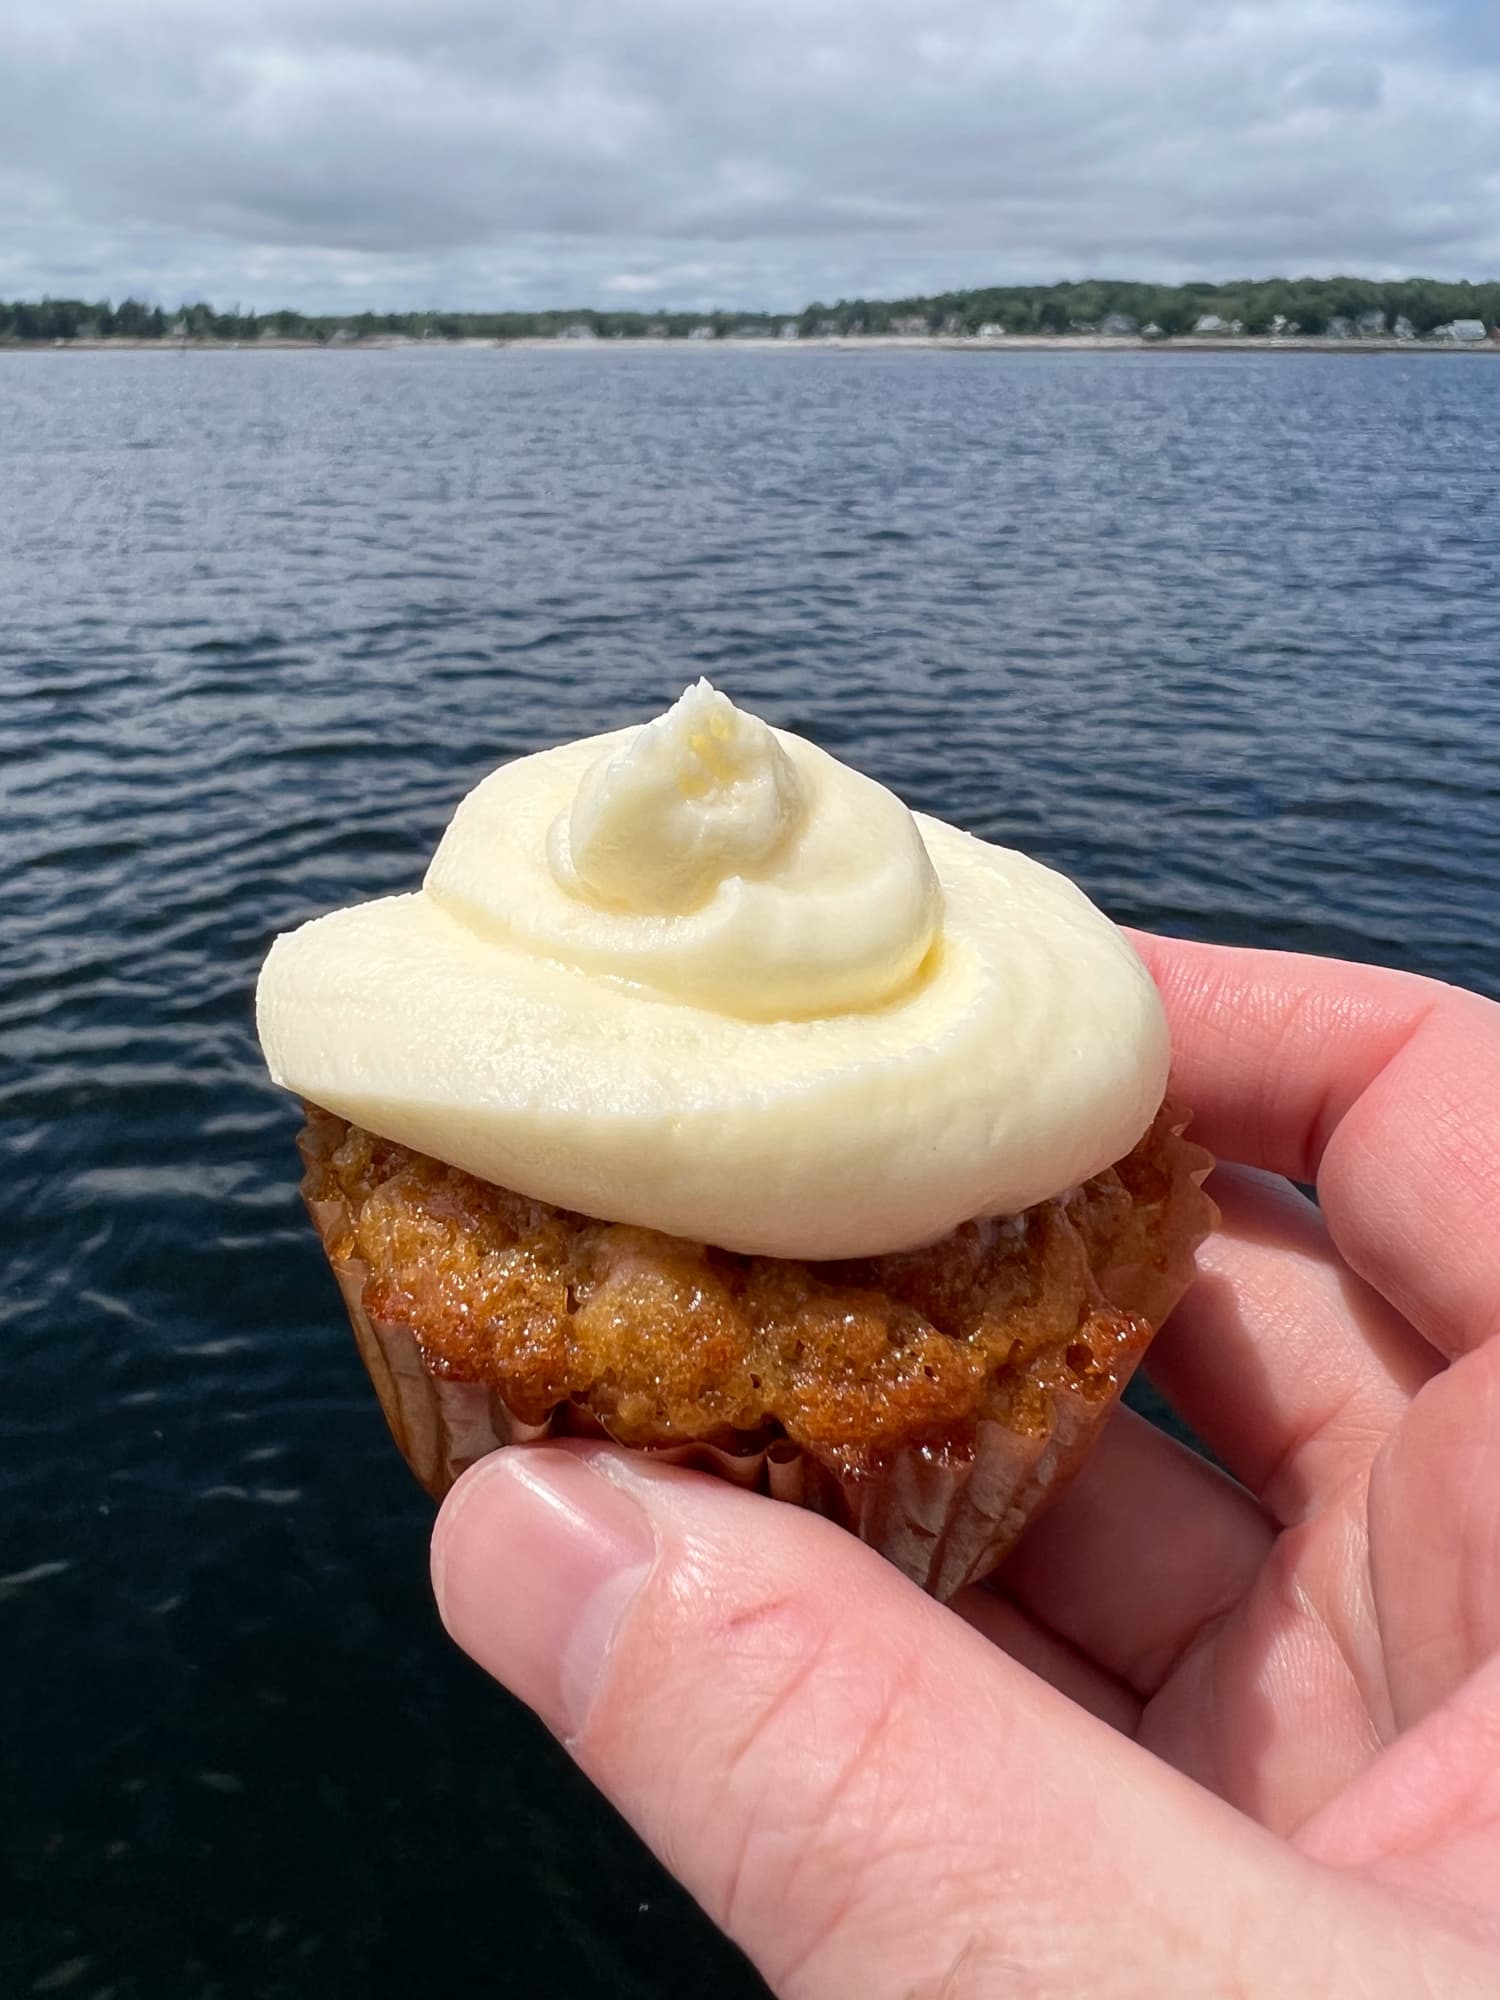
944, 1522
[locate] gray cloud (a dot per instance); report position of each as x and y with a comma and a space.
478, 152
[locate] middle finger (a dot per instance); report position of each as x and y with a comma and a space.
1291, 1368
1138, 1554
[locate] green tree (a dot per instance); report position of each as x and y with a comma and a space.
1175, 316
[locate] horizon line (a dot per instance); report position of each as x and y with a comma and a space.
156, 303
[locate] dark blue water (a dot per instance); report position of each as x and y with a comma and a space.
1219, 635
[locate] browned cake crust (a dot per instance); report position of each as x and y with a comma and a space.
662, 1342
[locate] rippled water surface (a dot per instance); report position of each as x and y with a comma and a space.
1218, 635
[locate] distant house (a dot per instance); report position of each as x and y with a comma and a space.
1371, 323
1280, 325
701, 333
790, 329
827, 328
1151, 331
579, 330
1339, 328
1403, 328
657, 329
1464, 329
1117, 326
991, 330
908, 325
953, 324
1210, 323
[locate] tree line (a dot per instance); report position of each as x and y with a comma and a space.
1256, 306
1259, 305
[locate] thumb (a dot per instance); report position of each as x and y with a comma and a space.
858, 1788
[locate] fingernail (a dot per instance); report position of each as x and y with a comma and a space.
536, 1560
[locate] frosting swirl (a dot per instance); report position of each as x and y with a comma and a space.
701, 977
703, 858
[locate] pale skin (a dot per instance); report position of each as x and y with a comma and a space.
1205, 1733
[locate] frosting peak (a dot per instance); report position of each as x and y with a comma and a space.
703, 792
705, 858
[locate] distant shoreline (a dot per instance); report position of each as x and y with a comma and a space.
1080, 343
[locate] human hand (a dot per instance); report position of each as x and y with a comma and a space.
1198, 1736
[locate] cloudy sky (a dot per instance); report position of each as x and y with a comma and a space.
393, 153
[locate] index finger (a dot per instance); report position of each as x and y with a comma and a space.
1380, 1086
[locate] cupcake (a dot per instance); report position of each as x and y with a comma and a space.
707, 1099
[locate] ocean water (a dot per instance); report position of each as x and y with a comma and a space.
1219, 635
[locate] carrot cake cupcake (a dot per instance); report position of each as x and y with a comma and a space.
707, 1099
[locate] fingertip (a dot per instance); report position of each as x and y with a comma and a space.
535, 1560
454, 1526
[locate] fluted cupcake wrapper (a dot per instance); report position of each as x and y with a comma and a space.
944, 1521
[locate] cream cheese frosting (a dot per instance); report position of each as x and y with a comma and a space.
704, 858
702, 977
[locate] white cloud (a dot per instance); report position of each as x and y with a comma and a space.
481, 152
